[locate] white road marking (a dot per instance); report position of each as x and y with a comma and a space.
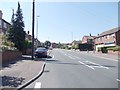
87, 65
53, 56
65, 54
98, 65
94, 55
38, 85
69, 54
118, 80
71, 57
77, 57
107, 58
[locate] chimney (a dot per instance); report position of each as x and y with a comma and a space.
1, 14
90, 34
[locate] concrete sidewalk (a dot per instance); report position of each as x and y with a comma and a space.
20, 71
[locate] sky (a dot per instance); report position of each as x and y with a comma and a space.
64, 21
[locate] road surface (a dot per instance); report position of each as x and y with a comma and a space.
70, 69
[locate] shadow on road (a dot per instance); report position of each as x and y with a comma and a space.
8, 81
60, 62
70, 63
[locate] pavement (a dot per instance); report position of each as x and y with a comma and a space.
21, 71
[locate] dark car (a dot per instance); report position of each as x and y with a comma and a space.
41, 52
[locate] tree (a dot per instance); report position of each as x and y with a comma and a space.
76, 46
11, 31
16, 32
59, 45
47, 44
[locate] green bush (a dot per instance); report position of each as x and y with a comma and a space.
99, 49
117, 48
104, 50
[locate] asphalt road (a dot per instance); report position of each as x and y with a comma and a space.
70, 69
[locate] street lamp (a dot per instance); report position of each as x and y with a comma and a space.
37, 32
33, 14
37, 28
72, 36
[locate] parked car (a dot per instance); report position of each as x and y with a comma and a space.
41, 52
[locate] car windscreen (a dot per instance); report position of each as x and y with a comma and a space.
41, 49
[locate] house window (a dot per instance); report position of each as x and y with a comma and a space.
0, 22
113, 36
106, 37
98, 39
5, 25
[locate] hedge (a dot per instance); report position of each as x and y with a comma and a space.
117, 48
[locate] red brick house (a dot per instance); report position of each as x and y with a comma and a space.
53, 45
108, 38
88, 39
4, 25
87, 43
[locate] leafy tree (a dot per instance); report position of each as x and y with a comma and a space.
47, 44
73, 46
16, 32
76, 46
59, 45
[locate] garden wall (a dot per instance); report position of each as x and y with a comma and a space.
113, 52
10, 55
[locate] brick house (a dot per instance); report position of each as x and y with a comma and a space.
88, 39
108, 38
53, 45
4, 25
76, 42
87, 43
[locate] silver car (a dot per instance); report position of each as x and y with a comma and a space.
41, 52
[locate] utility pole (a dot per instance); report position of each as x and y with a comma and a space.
37, 31
33, 14
37, 27
72, 36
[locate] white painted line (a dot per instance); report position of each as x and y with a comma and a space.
106, 58
38, 85
98, 65
77, 57
95, 55
87, 65
71, 57
118, 80
69, 54
65, 54
53, 57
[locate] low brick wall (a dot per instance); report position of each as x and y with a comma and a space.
113, 52
10, 55
29, 51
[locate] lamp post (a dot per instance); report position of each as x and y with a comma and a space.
37, 32
33, 15
72, 36
37, 28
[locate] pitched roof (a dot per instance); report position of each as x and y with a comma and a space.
90, 37
110, 31
77, 42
